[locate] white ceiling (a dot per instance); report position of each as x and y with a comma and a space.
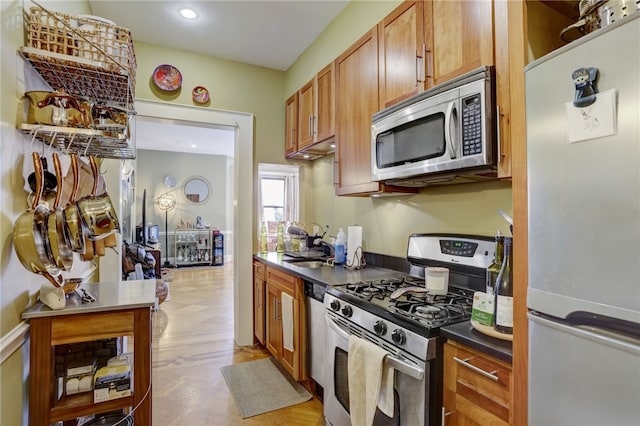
176, 136
267, 33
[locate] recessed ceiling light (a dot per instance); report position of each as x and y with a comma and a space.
187, 13
193, 145
332, 145
306, 156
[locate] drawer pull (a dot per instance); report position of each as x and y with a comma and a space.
445, 414
490, 375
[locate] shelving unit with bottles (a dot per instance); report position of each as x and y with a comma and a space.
193, 247
218, 248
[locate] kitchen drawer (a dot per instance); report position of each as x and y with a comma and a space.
259, 270
477, 387
284, 280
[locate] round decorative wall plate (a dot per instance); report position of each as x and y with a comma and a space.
200, 95
167, 77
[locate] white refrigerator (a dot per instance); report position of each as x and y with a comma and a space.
583, 169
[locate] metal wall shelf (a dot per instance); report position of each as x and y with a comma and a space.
83, 141
82, 77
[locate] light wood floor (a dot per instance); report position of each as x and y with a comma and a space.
193, 338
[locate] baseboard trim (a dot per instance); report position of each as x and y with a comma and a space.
13, 340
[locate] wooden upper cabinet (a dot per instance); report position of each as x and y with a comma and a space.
356, 102
310, 117
290, 126
306, 114
462, 36
325, 112
402, 48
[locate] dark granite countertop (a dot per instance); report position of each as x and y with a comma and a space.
327, 275
336, 275
464, 333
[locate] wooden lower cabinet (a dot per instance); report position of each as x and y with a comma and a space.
477, 388
277, 283
259, 289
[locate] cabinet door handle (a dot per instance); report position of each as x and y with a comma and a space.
275, 310
278, 313
429, 61
499, 154
419, 67
445, 414
491, 375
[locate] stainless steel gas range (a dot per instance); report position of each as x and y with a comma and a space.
399, 315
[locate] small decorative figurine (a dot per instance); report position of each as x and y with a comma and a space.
585, 82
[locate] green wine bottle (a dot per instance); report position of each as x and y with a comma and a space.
280, 238
504, 292
263, 238
494, 269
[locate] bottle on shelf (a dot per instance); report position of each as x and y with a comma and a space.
504, 292
280, 240
340, 247
494, 269
263, 238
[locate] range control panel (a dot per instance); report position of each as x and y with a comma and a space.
458, 248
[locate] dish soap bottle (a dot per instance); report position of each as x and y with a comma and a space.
263, 238
504, 292
280, 240
494, 269
341, 241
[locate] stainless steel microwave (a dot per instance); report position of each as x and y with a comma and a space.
447, 134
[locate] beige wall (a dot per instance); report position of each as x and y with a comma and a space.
387, 222
233, 87
17, 285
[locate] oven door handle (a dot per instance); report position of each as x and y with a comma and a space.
391, 360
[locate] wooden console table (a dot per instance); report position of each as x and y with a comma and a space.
120, 309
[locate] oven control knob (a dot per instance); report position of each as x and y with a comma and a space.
398, 337
335, 305
347, 311
380, 328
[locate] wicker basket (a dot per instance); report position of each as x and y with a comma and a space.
85, 37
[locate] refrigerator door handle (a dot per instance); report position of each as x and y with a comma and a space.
599, 336
590, 319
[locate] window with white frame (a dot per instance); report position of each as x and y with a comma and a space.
278, 195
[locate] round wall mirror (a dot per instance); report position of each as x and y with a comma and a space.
197, 189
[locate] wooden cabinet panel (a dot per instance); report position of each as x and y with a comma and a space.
462, 37
324, 121
356, 101
402, 53
259, 288
472, 397
273, 320
306, 115
279, 282
47, 332
290, 126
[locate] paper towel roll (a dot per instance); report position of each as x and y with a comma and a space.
354, 246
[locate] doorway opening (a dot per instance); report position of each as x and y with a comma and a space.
241, 202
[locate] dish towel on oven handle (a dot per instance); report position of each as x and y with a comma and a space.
370, 382
287, 321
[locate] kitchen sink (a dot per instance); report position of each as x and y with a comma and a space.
309, 264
